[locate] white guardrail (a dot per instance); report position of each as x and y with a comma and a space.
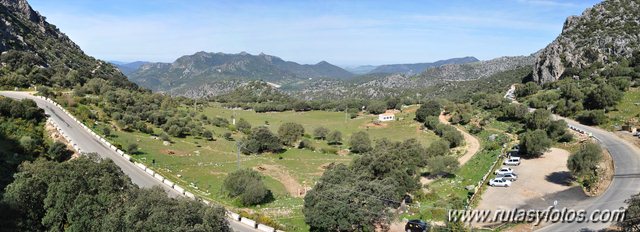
148, 171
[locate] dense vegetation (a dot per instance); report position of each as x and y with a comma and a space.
90, 194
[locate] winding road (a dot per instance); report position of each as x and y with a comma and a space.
625, 183
87, 143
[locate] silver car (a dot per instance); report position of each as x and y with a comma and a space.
508, 176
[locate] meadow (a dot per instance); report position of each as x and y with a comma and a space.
202, 165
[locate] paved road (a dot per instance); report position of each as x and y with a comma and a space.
87, 143
626, 181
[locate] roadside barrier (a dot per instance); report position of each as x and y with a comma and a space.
147, 170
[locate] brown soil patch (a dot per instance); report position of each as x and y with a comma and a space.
281, 175
173, 152
57, 137
375, 125
343, 152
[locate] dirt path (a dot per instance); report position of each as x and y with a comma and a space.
472, 144
276, 172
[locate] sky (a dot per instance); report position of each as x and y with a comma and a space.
347, 33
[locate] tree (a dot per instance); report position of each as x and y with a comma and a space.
243, 126
583, 164
360, 142
431, 122
443, 164
538, 119
58, 151
603, 96
438, 148
557, 131
320, 133
92, 194
592, 117
248, 186
377, 107
290, 132
430, 108
132, 148
261, 140
527, 89
207, 134
631, 222
334, 137
534, 143
453, 136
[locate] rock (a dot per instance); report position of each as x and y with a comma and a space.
166, 143
603, 33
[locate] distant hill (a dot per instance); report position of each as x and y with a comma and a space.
605, 34
128, 67
412, 69
192, 72
360, 69
380, 85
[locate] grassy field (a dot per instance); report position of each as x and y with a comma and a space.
202, 165
628, 108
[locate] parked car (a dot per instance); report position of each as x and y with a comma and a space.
508, 176
503, 170
416, 225
513, 153
512, 161
499, 182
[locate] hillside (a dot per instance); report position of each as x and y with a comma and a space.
385, 85
204, 73
603, 34
35, 52
412, 69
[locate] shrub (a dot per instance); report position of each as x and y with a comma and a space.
430, 108
360, 142
583, 164
592, 117
290, 132
334, 138
248, 186
320, 133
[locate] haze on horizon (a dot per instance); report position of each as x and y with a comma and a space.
345, 33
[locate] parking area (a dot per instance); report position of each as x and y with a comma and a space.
537, 178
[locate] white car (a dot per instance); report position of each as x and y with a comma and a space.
512, 161
499, 182
503, 170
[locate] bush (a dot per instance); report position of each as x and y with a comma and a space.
534, 143
58, 151
438, 148
243, 126
306, 144
227, 136
207, 134
132, 148
360, 142
592, 117
443, 164
261, 140
248, 186
584, 164
430, 108
320, 133
290, 132
334, 138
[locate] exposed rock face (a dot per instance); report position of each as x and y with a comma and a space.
603, 33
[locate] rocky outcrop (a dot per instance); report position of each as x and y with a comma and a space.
602, 34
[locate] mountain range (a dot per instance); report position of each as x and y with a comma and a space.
204, 68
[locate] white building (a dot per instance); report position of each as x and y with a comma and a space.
386, 117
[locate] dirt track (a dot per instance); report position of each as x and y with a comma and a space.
472, 144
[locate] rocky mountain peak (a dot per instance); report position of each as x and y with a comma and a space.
605, 32
23, 8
